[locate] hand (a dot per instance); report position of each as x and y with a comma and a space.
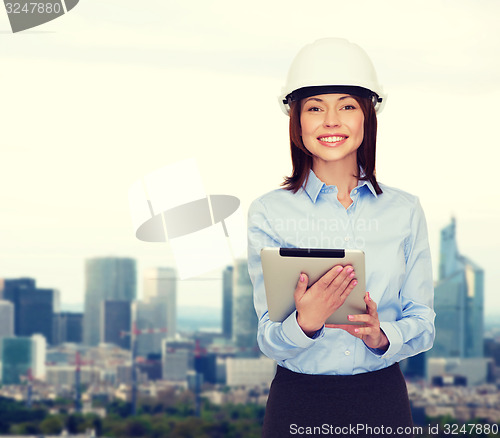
316, 304
370, 333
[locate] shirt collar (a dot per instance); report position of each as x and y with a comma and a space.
314, 185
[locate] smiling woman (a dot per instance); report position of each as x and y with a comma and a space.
302, 156
341, 374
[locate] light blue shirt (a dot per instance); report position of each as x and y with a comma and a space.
391, 229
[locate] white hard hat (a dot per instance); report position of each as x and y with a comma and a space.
332, 65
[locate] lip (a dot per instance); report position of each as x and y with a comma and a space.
334, 144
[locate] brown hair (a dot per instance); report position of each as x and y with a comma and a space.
302, 158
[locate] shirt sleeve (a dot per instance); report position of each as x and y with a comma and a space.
414, 332
277, 340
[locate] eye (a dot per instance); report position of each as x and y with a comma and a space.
313, 109
349, 107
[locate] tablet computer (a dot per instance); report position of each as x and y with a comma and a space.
283, 266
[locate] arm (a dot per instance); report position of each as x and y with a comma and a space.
414, 331
277, 340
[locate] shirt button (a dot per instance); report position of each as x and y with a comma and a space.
346, 238
347, 352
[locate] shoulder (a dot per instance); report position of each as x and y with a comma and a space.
401, 204
273, 199
397, 196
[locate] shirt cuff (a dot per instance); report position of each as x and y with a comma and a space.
395, 340
292, 330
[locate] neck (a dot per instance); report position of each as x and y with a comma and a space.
342, 174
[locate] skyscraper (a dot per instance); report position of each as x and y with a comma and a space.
107, 278
116, 318
227, 302
21, 356
459, 296
68, 327
177, 359
158, 310
33, 307
244, 316
151, 315
6, 318
16, 358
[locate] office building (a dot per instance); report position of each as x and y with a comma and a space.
157, 311
68, 327
107, 278
471, 371
150, 318
459, 297
160, 286
116, 320
33, 307
22, 358
64, 375
227, 302
177, 359
206, 365
250, 371
245, 321
39, 349
6, 318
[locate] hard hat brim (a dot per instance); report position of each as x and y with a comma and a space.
305, 92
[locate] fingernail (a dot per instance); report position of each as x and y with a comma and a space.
354, 283
349, 270
302, 278
369, 297
350, 317
352, 274
356, 330
339, 269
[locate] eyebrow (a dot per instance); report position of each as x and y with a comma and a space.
321, 100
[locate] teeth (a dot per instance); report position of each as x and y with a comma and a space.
332, 139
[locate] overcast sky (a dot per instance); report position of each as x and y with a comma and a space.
115, 89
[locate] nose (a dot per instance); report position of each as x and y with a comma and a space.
331, 119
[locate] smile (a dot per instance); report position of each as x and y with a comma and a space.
332, 139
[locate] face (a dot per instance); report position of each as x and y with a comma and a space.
332, 127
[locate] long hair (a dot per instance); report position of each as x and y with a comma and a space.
302, 159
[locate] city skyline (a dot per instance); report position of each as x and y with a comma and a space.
104, 95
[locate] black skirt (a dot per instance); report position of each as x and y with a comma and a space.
362, 405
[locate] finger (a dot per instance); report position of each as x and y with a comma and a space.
337, 326
365, 318
330, 276
366, 331
341, 277
345, 291
371, 306
351, 329
301, 288
349, 277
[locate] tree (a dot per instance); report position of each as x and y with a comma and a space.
137, 427
52, 425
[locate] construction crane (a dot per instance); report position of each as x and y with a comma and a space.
133, 347
78, 396
29, 394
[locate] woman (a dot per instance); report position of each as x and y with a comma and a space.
330, 377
